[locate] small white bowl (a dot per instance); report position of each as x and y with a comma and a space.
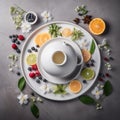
35, 15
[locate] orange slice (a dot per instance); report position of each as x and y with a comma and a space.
75, 86
86, 55
66, 32
97, 26
40, 39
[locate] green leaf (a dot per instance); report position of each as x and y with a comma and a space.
92, 47
35, 110
107, 88
21, 83
87, 100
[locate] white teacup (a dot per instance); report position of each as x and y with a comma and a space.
58, 57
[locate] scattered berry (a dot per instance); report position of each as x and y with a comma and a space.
100, 79
88, 65
101, 75
29, 68
37, 73
106, 59
38, 81
33, 48
18, 51
84, 81
77, 20
44, 80
40, 77
36, 50
21, 37
14, 46
92, 64
92, 60
107, 75
111, 58
34, 67
87, 19
32, 75
18, 42
32, 93
18, 73
10, 36
29, 51
13, 40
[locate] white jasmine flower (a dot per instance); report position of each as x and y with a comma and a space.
26, 27
45, 88
46, 16
23, 98
85, 44
97, 91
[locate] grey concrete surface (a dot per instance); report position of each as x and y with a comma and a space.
50, 110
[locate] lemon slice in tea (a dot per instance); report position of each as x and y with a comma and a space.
88, 74
31, 59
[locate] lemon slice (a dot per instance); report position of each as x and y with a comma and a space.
31, 59
75, 86
88, 73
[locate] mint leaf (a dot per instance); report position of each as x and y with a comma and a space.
35, 110
21, 83
92, 47
107, 88
87, 100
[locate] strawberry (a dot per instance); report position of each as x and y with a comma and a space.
34, 67
32, 75
14, 46
21, 37
37, 73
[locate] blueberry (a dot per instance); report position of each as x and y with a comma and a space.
36, 50
111, 58
38, 81
13, 40
32, 93
18, 73
18, 42
84, 81
29, 51
29, 68
101, 75
14, 36
92, 60
40, 77
10, 36
88, 65
92, 64
18, 51
44, 80
33, 48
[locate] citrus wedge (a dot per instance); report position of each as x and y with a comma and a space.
97, 26
75, 86
40, 39
86, 55
31, 59
66, 32
88, 74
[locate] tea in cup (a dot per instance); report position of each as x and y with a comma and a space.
59, 58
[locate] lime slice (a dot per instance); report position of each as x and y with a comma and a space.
31, 59
88, 73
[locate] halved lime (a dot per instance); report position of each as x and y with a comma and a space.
31, 59
88, 73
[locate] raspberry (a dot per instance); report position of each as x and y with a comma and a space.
32, 75
14, 46
34, 67
21, 37
37, 73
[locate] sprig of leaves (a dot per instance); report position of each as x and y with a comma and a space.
81, 10
21, 83
60, 89
17, 15
54, 30
77, 34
